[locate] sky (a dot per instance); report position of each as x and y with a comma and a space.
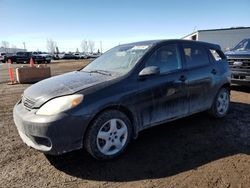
112, 22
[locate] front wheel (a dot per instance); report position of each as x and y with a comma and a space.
108, 136
221, 103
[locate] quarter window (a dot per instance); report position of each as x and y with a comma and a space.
195, 56
217, 55
167, 58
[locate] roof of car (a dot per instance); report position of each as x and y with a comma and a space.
156, 42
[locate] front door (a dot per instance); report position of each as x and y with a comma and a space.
163, 97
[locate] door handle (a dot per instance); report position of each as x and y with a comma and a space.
181, 80
214, 71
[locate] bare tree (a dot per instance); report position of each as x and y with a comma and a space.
84, 45
5, 45
91, 46
14, 48
51, 46
57, 50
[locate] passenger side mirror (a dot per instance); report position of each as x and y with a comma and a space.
149, 71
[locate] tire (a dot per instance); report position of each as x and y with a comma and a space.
221, 103
47, 62
108, 135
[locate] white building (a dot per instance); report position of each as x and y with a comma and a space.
226, 38
11, 50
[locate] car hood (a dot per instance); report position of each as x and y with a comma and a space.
238, 53
65, 84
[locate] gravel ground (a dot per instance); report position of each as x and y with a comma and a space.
197, 151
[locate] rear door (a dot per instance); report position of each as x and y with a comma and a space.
200, 74
164, 96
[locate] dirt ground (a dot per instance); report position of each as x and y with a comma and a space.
197, 151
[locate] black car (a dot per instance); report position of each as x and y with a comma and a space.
239, 62
129, 88
24, 57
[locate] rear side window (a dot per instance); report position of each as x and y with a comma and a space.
167, 58
217, 55
195, 55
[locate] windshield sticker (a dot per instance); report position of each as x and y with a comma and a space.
120, 54
144, 47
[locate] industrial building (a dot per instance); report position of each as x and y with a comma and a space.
11, 50
227, 38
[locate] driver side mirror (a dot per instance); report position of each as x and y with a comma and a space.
149, 71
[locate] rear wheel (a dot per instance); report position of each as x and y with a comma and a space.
108, 135
221, 103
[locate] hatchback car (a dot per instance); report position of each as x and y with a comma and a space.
126, 90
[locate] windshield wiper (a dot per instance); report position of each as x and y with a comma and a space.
103, 72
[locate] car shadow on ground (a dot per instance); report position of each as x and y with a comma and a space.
168, 149
240, 88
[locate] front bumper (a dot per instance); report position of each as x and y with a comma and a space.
240, 78
50, 134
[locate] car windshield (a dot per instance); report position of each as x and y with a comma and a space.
243, 45
120, 59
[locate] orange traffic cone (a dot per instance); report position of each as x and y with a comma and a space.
32, 64
12, 79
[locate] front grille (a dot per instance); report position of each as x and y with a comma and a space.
28, 103
241, 65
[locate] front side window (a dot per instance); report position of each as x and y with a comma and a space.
195, 56
167, 58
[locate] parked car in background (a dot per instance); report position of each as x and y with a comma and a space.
77, 55
24, 57
69, 56
46, 56
8, 55
57, 56
93, 55
81, 55
126, 90
239, 62
2, 56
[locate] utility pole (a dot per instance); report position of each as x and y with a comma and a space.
24, 46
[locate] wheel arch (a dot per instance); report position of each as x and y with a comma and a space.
226, 85
122, 109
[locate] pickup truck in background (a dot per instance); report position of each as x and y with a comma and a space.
239, 62
24, 57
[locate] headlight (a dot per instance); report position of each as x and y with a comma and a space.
60, 104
